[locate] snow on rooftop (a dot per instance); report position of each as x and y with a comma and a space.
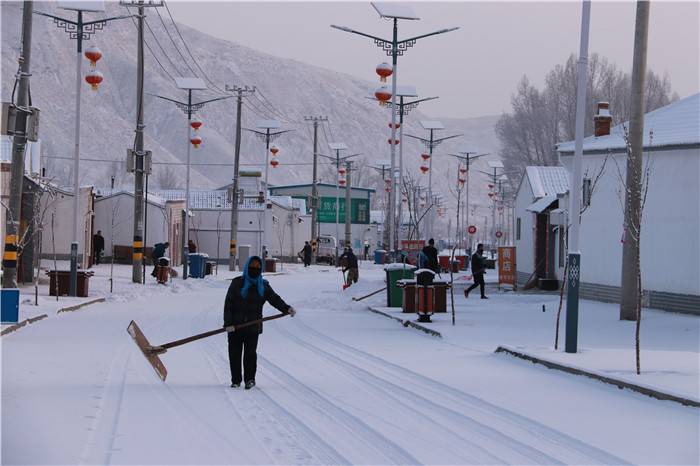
673, 125
548, 181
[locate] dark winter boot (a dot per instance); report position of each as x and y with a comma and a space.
235, 385
249, 384
466, 293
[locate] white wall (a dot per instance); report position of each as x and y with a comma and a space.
62, 230
670, 244
122, 206
525, 246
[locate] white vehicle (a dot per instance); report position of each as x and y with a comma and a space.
326, 249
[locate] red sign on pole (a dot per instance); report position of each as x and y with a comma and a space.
498, 234
471, 229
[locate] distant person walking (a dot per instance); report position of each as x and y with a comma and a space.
98, 244
306, 252
431, 253
478, 271
244, 303
158, 252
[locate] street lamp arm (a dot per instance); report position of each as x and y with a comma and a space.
326, 156
255, 131
281, 132
416, 137
57, 18
441, 31
420, 100
447, 137
348, 156
213, 100
88, 23
167, 98
346, 29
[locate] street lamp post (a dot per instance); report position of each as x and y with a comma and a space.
393, 48
431, 143
267, 136
189, 108
79, 30
466, 155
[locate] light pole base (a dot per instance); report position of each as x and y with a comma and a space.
574, 281
73, 287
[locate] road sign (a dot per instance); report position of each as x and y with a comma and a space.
498, 234
471, 229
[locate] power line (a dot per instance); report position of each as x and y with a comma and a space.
210, 164
160, 46
188, 49
177, 49
150, 50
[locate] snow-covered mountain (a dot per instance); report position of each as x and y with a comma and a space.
289, 90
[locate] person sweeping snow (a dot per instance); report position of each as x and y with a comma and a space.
244, 303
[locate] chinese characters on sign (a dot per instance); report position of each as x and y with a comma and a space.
506, 266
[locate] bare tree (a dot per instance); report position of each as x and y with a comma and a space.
166, 178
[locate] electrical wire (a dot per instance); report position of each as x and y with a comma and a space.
177, 49
188, 49
145, 42
202, 164
177, 70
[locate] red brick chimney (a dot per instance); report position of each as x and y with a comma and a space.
602, 120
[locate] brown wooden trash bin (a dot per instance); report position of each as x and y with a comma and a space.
408, 290
441, 296
63, 277
270, 265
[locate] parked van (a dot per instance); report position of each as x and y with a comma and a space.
326, 249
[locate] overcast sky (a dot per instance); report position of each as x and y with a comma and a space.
474, 70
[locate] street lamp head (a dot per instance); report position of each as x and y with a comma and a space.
190, 83
95, 6
337, 146
432, 124
268, 124
394, 10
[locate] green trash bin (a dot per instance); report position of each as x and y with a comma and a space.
394, 273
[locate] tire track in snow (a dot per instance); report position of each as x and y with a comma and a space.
490, 440
291, 428
505, 419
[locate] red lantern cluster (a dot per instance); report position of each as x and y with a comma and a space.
196, 141
424, 169
94, 77
274, 163
397, 125
396, 141
425, 156
463, 170
341, 171
341, 182
196, 123
383, 94
384, 70
274, 150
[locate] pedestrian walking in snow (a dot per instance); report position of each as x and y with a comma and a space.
350, 266
244, 303
306, 254
158, 252
98, 243
431, 253
478, 271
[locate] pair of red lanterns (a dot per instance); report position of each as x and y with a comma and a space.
196, 139
341, 176
274, 150
94, 77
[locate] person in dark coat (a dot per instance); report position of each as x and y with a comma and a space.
191, 247
306, 254
478, 270
351, 266
98, 243
158, 252
431, 253
244, 303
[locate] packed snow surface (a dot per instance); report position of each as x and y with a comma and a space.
337, 384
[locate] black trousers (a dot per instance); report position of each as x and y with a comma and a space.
478, 281
98, 253
243, 344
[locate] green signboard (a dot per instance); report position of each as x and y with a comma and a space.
326, 210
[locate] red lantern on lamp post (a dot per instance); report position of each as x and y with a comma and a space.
383, 94
94, 78
196, 141
425, 156
384, 70
396, 141
274, 163
424, 169
93, 54
274, 150
397, 125
341, 181
196, 123
341, 171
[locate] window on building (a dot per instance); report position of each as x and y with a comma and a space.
517, 229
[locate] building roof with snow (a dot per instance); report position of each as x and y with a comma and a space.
547, 181
674, 125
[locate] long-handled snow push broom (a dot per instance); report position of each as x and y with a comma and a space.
151, 352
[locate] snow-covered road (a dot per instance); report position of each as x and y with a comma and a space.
336, 385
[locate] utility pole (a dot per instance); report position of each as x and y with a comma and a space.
633, 184
19, 143
141, 165
241, 92
314, 185
348, 205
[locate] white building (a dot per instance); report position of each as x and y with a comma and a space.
114, 216
539, 224
670, 241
